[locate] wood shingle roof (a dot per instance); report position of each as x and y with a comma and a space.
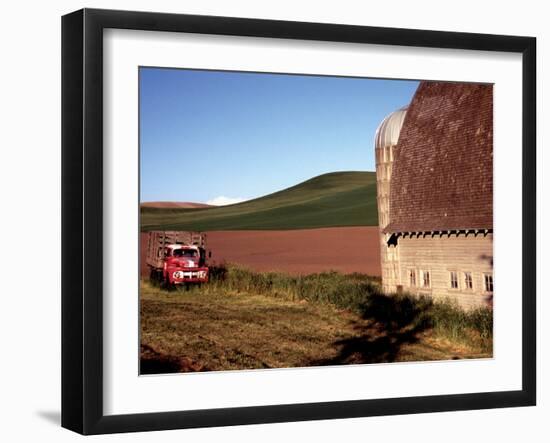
442, 177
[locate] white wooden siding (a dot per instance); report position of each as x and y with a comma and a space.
440, 254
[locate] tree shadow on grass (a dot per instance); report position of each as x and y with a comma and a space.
390, 323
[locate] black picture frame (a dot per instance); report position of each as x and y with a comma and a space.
82, 215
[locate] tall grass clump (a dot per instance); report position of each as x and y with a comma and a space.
342, 291
474, 326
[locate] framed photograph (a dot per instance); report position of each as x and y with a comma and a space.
268, 221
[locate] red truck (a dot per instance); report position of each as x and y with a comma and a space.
177, 257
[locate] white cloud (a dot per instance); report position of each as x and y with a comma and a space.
223, 201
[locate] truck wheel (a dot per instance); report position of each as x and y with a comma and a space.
166, 283
154, 277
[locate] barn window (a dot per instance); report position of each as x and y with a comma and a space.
412, 277
468, 281
426, 279
454, 279
489, 282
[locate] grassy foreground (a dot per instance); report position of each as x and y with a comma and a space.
335, 199
247, 320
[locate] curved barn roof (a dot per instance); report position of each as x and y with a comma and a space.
442, 176
387, 133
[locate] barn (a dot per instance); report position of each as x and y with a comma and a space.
434, 169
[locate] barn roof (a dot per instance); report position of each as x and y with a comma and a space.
442, 177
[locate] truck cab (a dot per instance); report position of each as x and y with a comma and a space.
184, 264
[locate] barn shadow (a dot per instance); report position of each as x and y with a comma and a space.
390, 323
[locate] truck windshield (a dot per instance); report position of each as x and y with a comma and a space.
185, 253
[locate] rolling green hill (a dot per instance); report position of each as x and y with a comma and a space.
329, 200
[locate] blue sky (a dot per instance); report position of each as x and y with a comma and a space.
211, 134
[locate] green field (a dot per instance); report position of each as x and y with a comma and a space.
329, 200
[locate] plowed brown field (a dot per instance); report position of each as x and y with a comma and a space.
303, 251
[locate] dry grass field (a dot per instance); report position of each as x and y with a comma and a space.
261, 321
